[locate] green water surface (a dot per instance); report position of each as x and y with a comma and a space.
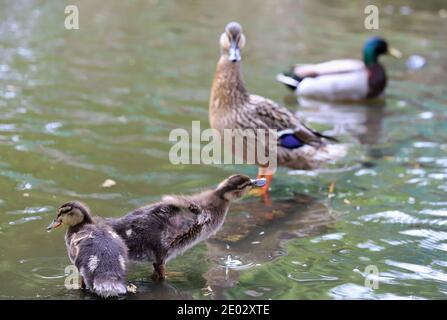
82, 106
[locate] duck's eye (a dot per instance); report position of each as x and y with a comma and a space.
64, 210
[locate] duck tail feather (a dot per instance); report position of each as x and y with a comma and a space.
333, 139
332, 152
106, 285
289, 78
321, 135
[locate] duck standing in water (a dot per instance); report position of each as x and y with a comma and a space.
233, 107
159, 232
346, 79
95, 249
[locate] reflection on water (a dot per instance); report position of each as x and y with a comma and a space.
362, 120
80, 107
158, 291
256, 234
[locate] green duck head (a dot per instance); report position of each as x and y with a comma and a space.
374, 47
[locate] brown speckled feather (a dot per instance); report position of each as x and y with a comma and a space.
278, 117
187, 236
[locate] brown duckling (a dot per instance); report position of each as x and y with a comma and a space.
94, 248
159, 232
233, 107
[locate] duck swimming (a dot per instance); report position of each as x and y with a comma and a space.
94, 248
346, 79
233, 107
159, 232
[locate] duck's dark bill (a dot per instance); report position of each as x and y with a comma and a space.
234, 54
53, 225
258, 182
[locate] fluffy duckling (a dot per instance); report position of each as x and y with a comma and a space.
94, 248
158, 232
347, 79
233, 107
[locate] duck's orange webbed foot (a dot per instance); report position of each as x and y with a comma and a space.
266, 199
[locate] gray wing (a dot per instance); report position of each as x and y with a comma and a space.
278, 117
185, 224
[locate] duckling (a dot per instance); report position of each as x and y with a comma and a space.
347, 79
233, 107
94, 248
159, 232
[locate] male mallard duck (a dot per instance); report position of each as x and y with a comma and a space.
94, 248
347, 79
232, 107
159, 232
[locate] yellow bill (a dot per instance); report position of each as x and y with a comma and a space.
395, 53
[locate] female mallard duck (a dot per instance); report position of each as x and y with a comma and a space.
347, 79
232, 107
94, 248
159, 232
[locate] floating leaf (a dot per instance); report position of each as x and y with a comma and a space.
108, 183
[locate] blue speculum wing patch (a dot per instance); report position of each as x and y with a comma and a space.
290, 141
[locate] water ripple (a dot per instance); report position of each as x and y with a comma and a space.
25, 220
400, 217
371, 246
432, 239
355, 291
327, 237
311, 278
32, 210
233, 263
418, 272
437, 213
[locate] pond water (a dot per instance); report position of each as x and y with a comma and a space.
80, 107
